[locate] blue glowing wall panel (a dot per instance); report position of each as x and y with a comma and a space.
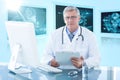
110, 22
30, 14
86, 17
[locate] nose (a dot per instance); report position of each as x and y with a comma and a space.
70, 19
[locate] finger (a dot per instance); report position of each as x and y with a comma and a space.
77, 65
74, 62
56, 64
81, 57
75, 58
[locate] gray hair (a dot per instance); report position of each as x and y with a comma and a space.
71, 8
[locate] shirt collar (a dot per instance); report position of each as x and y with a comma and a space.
68, 32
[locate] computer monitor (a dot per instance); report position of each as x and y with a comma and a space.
23, 45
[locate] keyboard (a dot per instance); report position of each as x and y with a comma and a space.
21, 70
48, 68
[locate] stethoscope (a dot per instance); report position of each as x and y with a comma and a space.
76, 39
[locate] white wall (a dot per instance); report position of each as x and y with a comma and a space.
108, 43
4, 50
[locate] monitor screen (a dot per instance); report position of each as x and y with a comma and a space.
23, 45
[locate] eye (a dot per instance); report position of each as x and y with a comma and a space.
67, 17
71, 17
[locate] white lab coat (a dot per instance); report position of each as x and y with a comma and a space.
87, 48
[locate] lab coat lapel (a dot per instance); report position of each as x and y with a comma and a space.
67, 44
66, 38
76, 35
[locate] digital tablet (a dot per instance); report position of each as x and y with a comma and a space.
64, 58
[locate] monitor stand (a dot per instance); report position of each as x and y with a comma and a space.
13, 65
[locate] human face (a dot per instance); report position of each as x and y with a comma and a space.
71, 19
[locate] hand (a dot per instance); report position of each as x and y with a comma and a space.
77, 62
54, 63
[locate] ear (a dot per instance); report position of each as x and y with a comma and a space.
79, 18
64, 20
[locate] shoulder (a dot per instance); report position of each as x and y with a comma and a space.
58, 31
86, 31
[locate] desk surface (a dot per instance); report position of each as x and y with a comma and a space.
102, 73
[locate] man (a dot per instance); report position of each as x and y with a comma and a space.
82, 41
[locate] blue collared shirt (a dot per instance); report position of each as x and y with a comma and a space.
68, 32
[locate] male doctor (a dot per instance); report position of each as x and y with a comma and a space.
82, 41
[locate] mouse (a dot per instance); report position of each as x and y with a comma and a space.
72, 73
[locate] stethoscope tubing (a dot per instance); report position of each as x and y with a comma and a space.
76, 39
